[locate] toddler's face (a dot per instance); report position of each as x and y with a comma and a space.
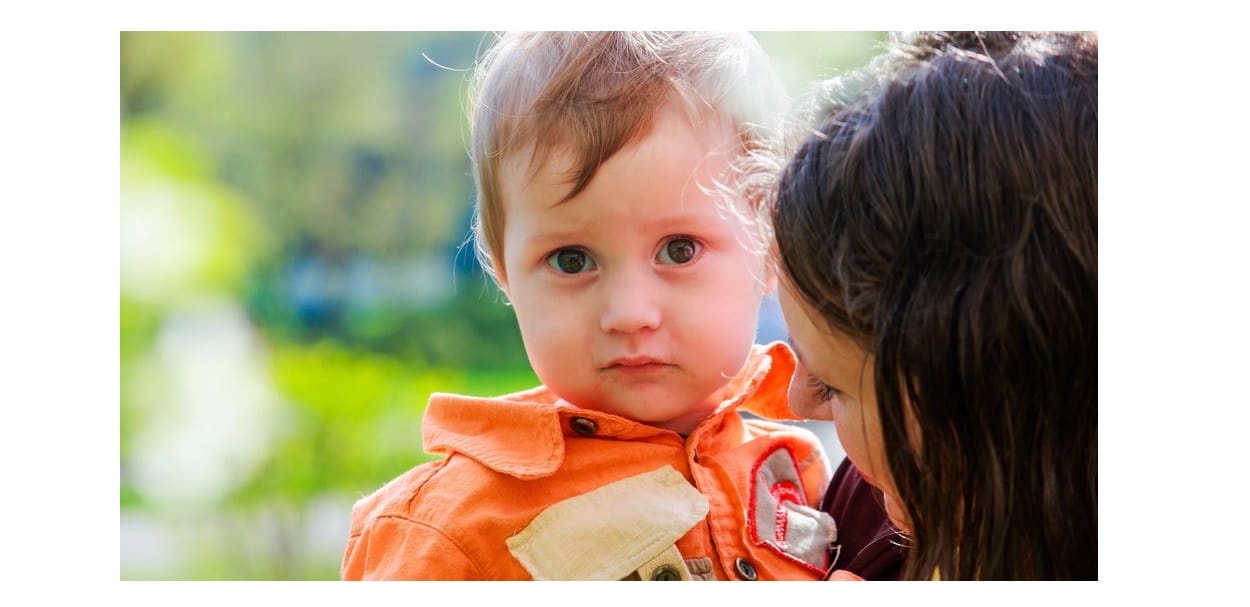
639, 296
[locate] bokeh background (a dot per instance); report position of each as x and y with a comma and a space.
295, 282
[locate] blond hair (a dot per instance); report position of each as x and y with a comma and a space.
593, 93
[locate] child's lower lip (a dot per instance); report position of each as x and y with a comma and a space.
642, 369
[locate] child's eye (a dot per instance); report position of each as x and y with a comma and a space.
678, 251
824, 391
571, 261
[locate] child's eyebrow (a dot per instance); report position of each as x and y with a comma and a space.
554, 234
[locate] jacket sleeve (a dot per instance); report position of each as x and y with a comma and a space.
395, 548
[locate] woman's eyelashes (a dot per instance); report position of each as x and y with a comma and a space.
823, 391
677, 250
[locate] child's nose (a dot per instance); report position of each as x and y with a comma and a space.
631, 305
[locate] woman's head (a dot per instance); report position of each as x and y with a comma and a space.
939, 229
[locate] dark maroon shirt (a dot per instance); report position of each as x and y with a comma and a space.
867, 545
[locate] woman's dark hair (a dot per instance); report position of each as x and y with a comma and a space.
945, 216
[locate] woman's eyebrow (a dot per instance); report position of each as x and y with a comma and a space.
797, 353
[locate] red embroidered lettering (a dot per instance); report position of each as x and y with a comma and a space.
782, 492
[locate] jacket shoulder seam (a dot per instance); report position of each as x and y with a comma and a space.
451, 540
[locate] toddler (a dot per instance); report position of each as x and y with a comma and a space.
601, 161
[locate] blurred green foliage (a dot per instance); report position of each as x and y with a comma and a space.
296, 281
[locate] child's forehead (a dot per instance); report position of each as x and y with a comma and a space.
546, 185
554, 162
546, 163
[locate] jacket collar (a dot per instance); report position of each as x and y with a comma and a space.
522, 434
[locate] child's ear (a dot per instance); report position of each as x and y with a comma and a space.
501, 281
771, 261
770, 278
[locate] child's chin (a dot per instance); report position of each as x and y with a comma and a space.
684, 423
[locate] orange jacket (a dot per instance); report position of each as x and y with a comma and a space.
533, 490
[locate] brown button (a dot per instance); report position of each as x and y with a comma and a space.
745, 570
584, 426
666, 573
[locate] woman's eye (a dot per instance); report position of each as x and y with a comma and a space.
571, 261
823, 391
678, 251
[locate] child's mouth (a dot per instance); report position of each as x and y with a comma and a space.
636, 365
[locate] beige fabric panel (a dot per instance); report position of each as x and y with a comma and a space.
610, 532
